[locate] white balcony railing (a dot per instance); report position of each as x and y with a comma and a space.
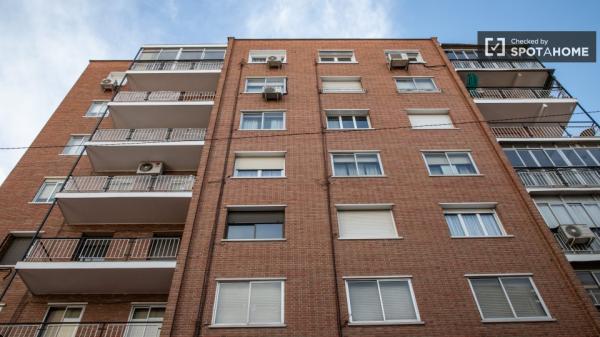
547, 130
102, 249
164, 96
591, 248
177, 65
149, 135
126, 329
560, 177
137, 183
498, 64
519, 93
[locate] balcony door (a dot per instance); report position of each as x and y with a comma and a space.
93, 248
145, 321
62, 321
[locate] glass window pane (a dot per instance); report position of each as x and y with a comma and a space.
240, 232
405, 84
594, 212
73, 313
542, 158
561, 213
572, 156
514, 158
527, 158
251, 121
265, 302
214, 54
269, 231
273, 120
454, 225
368, 164
596, 153
438, 164
490, 224
462, 163
397, 300
472, 225
333, 122
580, 215
271, 173
523, 298
586, 157
491, 299
424, 84
347, 122
191, 54
344, 165
140, 313
364, 301
586, 278
556, 157
232, 303
362, 122
168, 54
548, 216
246, 173
157, 313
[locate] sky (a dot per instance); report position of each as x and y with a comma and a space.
45, 45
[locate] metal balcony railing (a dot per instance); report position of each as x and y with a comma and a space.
116, 329
591, 248
546, 130
137, 183
164, 96
519, 93
560, 177
102, 249
176, 65
149, 135
472, 64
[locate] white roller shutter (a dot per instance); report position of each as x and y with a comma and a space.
342, 84
429, 121
366, 224
260, 163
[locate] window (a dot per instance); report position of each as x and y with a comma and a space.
416, 84
256, 85
462, 54
357, 223
188, 53
356, 164
449, 163
62, 314
75, 144
567, 210
473, 223
414, 56
591, 282
336, 56
261, 56
14, 248
348, 119
249, 303
260, 165
255, 225
507, 298
381, 300
97, 109
554, 157
48, 189
341, 85
266, 120
430, 119
149, 320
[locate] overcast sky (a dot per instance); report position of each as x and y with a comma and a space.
45, 45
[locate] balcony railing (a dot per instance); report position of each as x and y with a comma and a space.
126, 329
138, 183
102, 249
519, 93
560, 177
164, 96
149, 135
178, 65
546, 130
591, 248
497, 64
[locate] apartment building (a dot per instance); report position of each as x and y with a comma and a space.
294, 187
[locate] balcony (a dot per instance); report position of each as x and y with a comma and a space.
121, 150
139, 199
543, 104
152, 109
150, 75
539, 180
504, 72
99, 266
104, 329
555, 131
580, 253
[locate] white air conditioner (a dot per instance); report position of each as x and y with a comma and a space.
397, 60
272, 93
108, 84
150, 167
577, 234
274, 61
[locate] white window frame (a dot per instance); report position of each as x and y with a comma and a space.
179, 52
86, 138
262, 122
264, 78
266, 53
436, 90
339, 113
250, 281
333, 153
259, 154
337, 56
559, 150
94, 102
66, 306
57, 187
406, 51
596, 279
463, 52
548, 317
430, 112
477, 211
565, 202
378, 279
341, 79
367, 207
455, 173
149, 306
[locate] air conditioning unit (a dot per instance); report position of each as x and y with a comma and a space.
577, 234
274, 61
397, 60
108, 84
272, 93
150, 167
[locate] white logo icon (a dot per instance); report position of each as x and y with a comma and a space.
495, 46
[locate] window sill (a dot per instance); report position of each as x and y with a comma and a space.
429, 129
262, 130
418, 91
344, 92
456, 175
84, 116
483, 237
234, 177
355, 129
253, 240
517, 320
395, 238
326, 62
386, 323
39, 203
259, 93
263, 62
228, 326
381, 176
